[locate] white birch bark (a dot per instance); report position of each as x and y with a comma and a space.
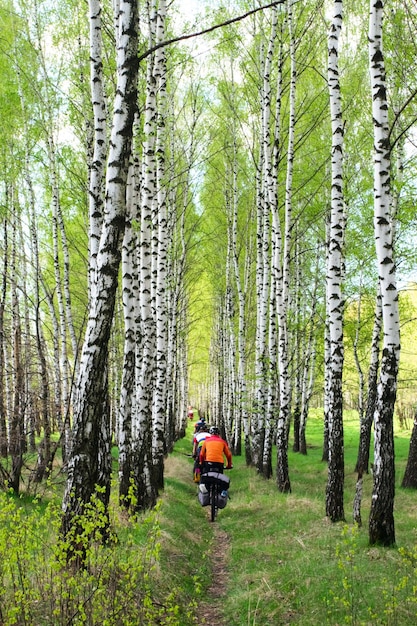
242, 411
61, 308
361, 378
335, 301
327, 358
161, 240
381, 519
229, 365
177, 297
100, 146
296, 313
46, 450
257, 422
270, 186
176, 399
90, 415
146, 492
263, 272
130, 287
283, 480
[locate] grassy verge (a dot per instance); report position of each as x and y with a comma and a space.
288, 564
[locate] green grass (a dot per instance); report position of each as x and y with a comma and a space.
287, 563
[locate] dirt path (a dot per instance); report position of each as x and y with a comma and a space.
209, 610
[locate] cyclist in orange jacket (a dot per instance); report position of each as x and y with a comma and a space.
213, 451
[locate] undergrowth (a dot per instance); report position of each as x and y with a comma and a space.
119, 584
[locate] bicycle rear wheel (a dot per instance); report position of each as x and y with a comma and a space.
213, 502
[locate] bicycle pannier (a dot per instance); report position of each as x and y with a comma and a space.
203, 495
221, 500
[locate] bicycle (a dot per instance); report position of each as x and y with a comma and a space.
217, 485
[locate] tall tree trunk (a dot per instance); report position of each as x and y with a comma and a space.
161, 243
381, 518
335, 303
283, 291
145, 487
242, 411
262, 448
91, 389
45, 451
130, 282
100, 145
297, 350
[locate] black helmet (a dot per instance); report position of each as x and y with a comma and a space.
214, 430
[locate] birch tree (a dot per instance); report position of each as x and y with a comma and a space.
91, 389
381, 519
183, 147
335, 300
145, 487
161, 253
270, 258
241, 409
266, 200
283, 289
100, 143
132, 331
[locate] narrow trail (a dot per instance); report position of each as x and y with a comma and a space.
210, 607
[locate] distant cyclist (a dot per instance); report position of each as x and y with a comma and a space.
198, 440
213, 451
199, 423
199, 436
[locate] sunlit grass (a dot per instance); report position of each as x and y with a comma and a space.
288, 563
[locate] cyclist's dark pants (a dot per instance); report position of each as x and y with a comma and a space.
208, 466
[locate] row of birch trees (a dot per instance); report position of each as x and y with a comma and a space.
244, 177
313, 169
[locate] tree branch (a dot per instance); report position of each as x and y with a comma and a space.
397, 116
168, 42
